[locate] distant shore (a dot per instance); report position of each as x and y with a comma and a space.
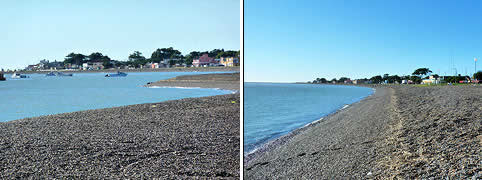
187, 138
174, 69
398, 132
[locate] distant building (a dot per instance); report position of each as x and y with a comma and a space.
348, 81
229, 61
431, 80
87, 66
74, 66
32, 67
98, 65
358, 81
204, 60
155, 65
167, 62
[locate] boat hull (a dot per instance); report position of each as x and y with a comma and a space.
116, 75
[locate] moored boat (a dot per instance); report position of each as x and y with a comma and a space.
118, 74
50, 74
18, 76
64, 74
1, 77
58, 74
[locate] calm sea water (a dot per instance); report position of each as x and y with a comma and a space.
42, 95
274, 109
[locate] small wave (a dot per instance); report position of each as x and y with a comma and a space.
178, 87
313, 122
345, 106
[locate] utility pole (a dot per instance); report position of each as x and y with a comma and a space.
475, 66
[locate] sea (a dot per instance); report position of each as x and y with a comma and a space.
272, 110
44, 95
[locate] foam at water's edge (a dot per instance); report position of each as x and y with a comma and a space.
177, 87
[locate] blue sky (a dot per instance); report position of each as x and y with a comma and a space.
298, 41
35, 30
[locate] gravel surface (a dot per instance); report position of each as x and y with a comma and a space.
228, 81
399, 132
188, 138
436, 132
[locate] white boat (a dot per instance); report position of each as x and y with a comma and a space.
18, 76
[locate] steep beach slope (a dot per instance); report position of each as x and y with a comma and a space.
400, 131
188, 138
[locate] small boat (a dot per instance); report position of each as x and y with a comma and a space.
51, 74
18, 76
64, 74
118, 74
1, 77
58, 74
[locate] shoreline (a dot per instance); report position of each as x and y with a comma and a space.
176, 139
277, 142
174, 69
401, 132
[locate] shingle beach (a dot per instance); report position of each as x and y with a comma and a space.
187, 138
400, 131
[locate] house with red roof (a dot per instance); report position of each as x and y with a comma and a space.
204, 60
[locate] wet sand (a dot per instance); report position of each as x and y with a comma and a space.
399, 132
188, 138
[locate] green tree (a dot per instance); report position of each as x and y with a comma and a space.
215, 52
343, 79
416, 79
136, 56
421, 72
478, 75
322, 80
227, 54
376, 79
191, 56
74, 58
97, 56
165, 53
106, 62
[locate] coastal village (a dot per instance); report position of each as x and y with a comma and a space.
419, 76
160, 58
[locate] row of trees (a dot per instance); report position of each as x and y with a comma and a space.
135, 59
78, 59
416, 77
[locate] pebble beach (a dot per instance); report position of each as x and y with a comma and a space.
400, 131
179, 139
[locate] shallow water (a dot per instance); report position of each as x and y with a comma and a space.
42, 95
272, 110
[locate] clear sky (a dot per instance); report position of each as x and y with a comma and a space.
300, 40
35, 30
